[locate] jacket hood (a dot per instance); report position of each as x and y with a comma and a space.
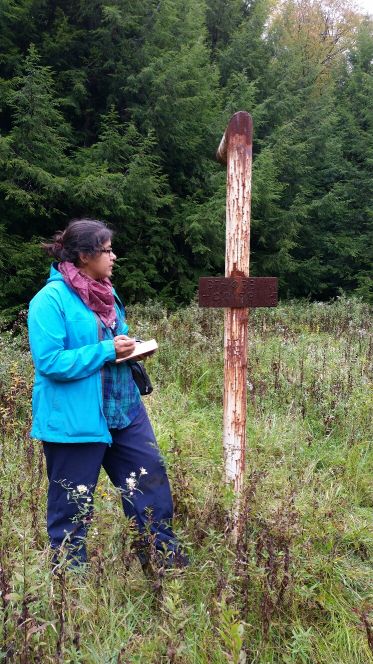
54, 275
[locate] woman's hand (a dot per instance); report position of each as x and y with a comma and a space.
124, 345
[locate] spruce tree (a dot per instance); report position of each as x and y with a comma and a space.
119, 178
33, 163
355, 112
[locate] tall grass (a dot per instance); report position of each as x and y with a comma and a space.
295, 589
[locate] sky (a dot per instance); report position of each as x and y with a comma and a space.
366, 5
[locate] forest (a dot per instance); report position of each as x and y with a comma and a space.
114, 110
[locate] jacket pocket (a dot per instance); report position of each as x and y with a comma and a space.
76, 409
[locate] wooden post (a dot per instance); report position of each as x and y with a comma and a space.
236, 150
236, 292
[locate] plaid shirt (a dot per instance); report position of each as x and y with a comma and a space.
122, 398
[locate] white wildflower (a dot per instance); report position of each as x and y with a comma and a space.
131, 483
133, 474
143, 471
89, 500
81, 488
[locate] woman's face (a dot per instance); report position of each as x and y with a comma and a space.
100, 265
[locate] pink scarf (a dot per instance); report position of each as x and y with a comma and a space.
97, 295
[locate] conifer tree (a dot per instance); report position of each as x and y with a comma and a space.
355, 111
177, 93
302, 131
33, 164
119, 178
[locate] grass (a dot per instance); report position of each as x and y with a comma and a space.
296, 589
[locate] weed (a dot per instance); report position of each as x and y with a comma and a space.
296, 589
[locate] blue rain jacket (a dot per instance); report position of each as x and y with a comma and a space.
67, 400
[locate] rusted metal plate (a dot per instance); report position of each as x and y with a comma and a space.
237, 292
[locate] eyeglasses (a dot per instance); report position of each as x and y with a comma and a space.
106, 251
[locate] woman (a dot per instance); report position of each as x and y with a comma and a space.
87, 409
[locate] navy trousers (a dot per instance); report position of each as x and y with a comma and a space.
73, 471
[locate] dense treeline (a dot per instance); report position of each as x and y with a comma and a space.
114, 110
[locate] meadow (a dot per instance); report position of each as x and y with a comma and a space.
297, 587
